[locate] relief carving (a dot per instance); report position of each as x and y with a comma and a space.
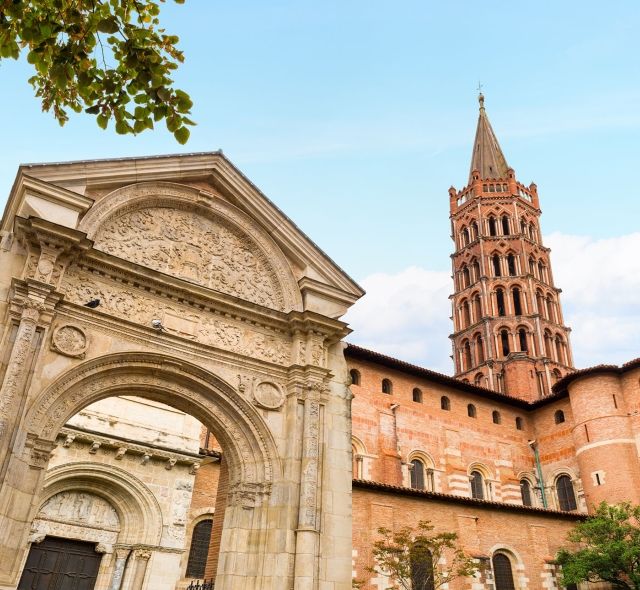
268, 396
208, 252
80, 508
70, 341
206, 328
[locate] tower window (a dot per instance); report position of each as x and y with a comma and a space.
473, 230
519, 423
466, 348
478, 380
471, 411
511, 265
500, 302
532, 232
505, 225
558, 417
504, 340
355, 376
445, 403
479, 349
517, 304
387, 386
522, 336
493, 226
466, 277
497, 271
466, 314
417, 395
495, 416
477, 307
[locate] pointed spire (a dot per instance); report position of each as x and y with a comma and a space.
487, 156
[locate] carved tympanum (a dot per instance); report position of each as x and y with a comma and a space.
70, 341
206, 251
79, 507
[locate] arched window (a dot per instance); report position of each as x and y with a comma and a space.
421, 568
466, 313
479, 349
493, 227
445, 403
417, 474
495, 259
478, 381
532, 266
199, 549
511, 265
523, 227
505, 225
519, 423
477, 307
466, 277
542, 308
477, 485
550, 314
495, 416
558, 417
471, 411
355, 376
517, 301
525, 492
502, 310
556, 375
417, 395
532, 232
466, 353
473, 230
566, 495
522, 337
465, 236
560, 350
541, 271
387, 386
502, 573
548, 344
504, 341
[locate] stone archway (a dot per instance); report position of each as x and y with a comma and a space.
254, 466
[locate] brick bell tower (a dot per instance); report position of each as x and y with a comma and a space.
509, 333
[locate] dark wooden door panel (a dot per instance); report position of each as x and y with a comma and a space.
60, 564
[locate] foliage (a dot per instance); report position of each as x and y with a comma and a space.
609, 548
108, 57
410, 557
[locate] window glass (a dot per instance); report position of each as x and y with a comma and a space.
199, 549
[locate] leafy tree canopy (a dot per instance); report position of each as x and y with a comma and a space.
411, 558
109, 58
608, 548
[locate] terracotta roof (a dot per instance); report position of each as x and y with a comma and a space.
487, 157
383, 487
357, 352
561, 386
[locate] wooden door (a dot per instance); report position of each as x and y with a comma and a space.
60, 564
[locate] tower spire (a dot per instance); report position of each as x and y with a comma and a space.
487, 157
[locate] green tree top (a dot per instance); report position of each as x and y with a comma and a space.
106, 57
609, 548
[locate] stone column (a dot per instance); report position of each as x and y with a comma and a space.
307, 531
121, 555
18, 366
142, 560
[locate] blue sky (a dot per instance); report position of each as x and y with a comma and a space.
355, 118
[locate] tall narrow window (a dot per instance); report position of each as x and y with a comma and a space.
466, 277
497, 271
522, 336
523, 227
532, 232
417, 395
525, 492
550, 309
466, 353
504, 340
476, 270
558, 417
421, 561
511, 265
548, 344
493, 227
479, 380
560, 350
502, 573
417, 474
477, 485
355, 376
466, 314
542, 307
532, 266
479, 350
465, 236
445, 403
471, 411
473, 230
199, 549
566, 495
495, 416
517, 301
505, 226
477, 307
500, 302
519, 423
541, 271
387, 386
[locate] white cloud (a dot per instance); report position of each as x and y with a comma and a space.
406, 314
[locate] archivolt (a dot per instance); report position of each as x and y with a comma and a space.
245, 438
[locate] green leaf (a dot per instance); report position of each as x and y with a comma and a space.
103, 121
108, 25
182, 135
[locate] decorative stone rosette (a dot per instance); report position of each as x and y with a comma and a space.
70, 340
268, 395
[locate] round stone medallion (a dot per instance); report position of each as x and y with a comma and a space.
268, 396
70, 341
